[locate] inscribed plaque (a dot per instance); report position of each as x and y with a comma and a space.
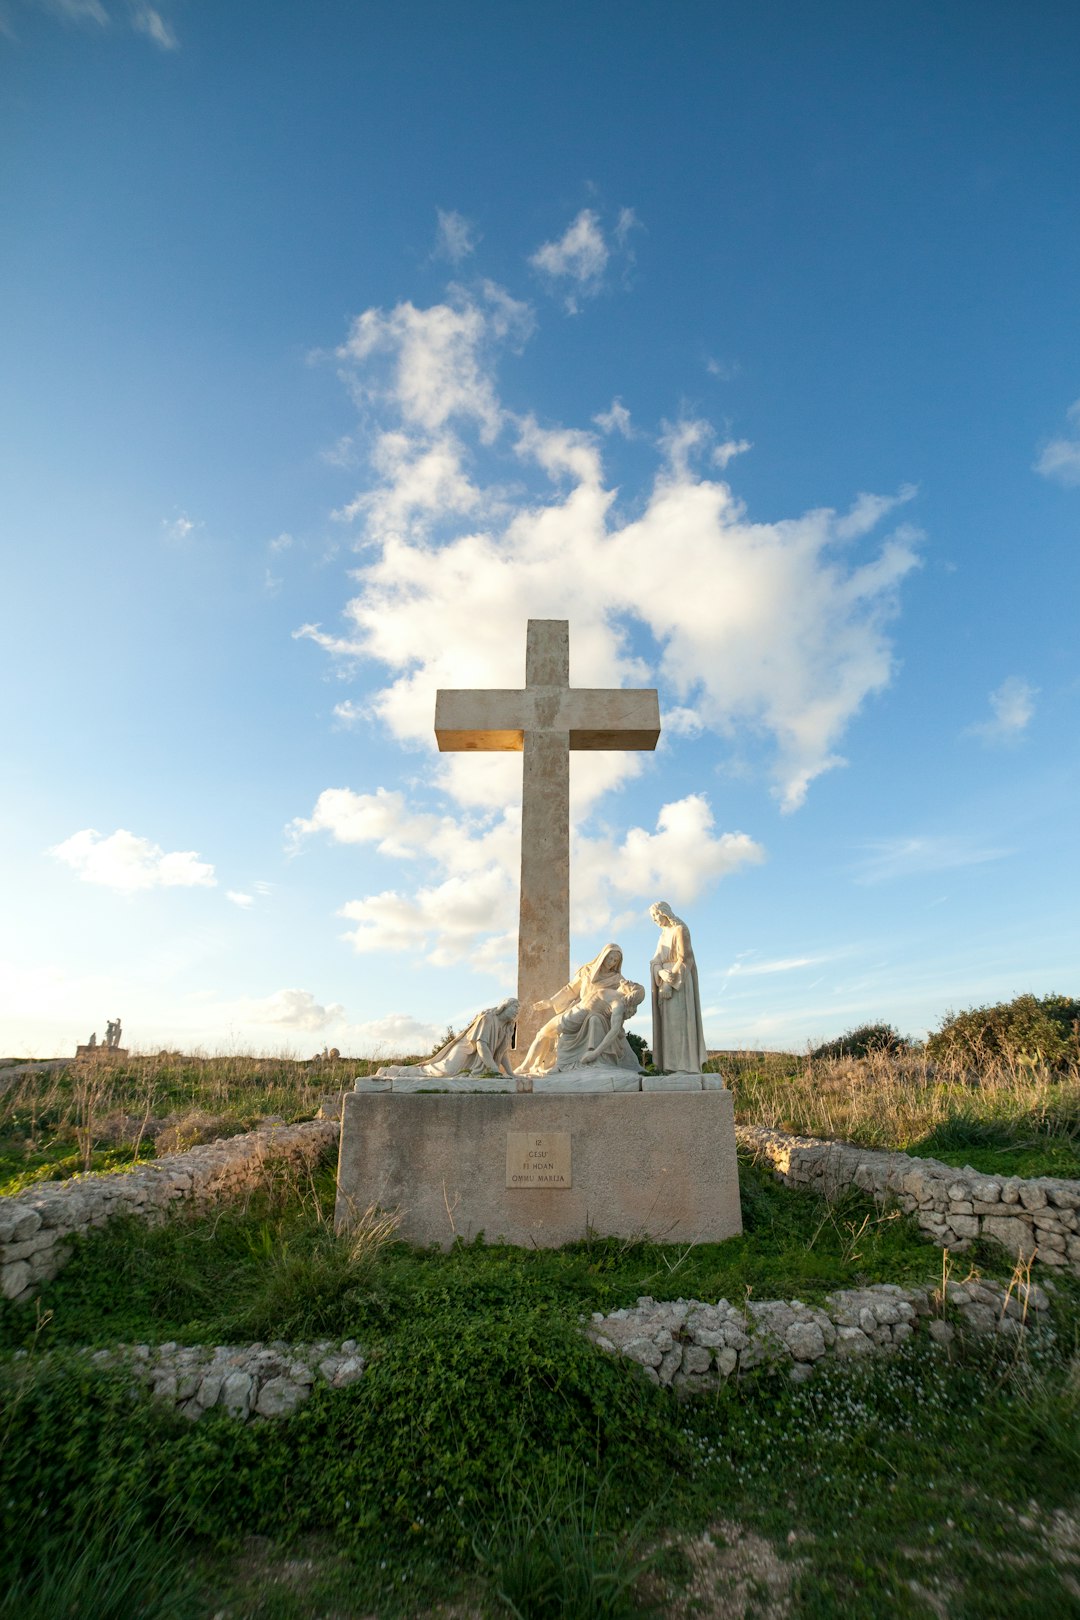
538, 1159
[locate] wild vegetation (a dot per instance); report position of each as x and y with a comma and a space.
490, 1461
995, 1087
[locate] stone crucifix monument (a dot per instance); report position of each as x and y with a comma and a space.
565, 1134
544, 720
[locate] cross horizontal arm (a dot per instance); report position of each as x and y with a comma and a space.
589, 717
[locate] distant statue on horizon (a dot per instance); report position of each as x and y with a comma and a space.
112, 1034
678, 1039
93, 1039
482, 1047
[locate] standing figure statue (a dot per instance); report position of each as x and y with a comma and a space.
112, 1033
587, 1022
93, 1039
483, 1047
678, 1039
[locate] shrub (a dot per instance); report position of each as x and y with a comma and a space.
1026, 1031
641, 1051
861, 1042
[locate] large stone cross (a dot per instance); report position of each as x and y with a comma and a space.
544, 720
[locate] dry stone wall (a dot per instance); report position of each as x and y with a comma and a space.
684, 1344
36, 1224
1034, 1219
695, 1346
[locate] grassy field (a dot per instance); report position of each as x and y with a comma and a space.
1010, 1119
491, 1462
1006, 1119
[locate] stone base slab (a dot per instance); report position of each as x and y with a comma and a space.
660, 1166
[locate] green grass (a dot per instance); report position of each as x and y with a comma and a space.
491, 1462
276, 1270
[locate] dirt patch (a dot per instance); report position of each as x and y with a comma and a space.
733, 1574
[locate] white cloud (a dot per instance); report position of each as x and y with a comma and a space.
454, 238
1060, 460
146, 19
729, 450
783, 636
581, 255
615, 420
395, 1035
180, 527
682, 857
626, 223
349, 712
240, 899
1012, 705
143, 17
785, 964
78, 11
281, 543
296, 1009
342, 453
770, 636
469, 911
126, 863
886, 858
418, 482
438, 365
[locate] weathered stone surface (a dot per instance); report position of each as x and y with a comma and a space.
662, 1165
1013, 1234
787, 1332
15, 1279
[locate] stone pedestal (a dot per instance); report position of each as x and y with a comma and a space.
543, 1169
102, 1051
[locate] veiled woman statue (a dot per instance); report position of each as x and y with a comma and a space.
587, 1020
678, 1040
484, 1047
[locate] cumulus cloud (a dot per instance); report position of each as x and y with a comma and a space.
297, 1009
454, 237
126, 863
1060, 460
771, 637
395, 1035
433, 364
1012, 706
468, 911
615, 420
575, 263
240, 899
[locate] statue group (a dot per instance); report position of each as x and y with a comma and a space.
587, 1018
112, 1037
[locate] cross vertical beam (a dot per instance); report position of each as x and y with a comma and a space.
544, 907
545, 720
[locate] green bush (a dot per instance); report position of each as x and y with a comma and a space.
863, 1042
1027, 1030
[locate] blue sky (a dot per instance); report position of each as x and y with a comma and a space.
339, 339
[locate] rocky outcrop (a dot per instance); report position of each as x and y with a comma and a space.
1034, 1219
